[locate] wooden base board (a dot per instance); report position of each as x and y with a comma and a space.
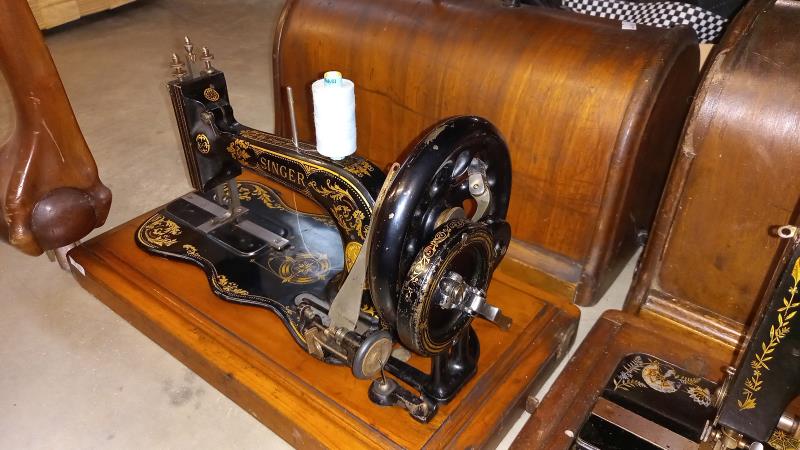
51, 13
246, 353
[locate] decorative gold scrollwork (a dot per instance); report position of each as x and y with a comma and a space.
421, 266
211, 94
238, 150
782, 441
666, 380
254, 134
159, 231
351, 251
344, 210
360, 169
203, 145
250, 191
227, 286
299, 268
779, 330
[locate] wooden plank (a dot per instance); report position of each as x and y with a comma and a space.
51, 13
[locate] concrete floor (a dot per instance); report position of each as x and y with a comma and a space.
72, 373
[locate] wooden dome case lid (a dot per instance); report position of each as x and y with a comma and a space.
735, 180
591, 112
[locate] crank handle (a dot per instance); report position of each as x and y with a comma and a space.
495, 315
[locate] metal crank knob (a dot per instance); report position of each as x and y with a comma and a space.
372, 355
445, 287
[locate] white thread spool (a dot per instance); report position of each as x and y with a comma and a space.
334, 115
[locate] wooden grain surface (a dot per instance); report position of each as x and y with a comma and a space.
52, 13
734, 182
591, 112
246, 353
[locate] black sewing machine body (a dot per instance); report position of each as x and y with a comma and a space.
346, 293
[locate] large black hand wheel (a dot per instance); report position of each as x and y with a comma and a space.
461, 169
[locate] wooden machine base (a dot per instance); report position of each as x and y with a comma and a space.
247, 354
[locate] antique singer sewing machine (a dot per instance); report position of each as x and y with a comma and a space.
403, 257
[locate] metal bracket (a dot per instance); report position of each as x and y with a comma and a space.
478, 188
233, 214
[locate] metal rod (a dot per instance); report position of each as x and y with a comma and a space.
190, 56
292, 119
219, 194
233, 193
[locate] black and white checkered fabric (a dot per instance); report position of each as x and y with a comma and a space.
706, 24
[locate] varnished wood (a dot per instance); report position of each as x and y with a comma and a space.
50, 193
51, 13
735, 180
246, 353
591, 112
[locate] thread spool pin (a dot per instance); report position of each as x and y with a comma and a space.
191, 57
207, 58
292, 118
178, 68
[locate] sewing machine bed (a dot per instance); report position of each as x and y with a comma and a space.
247, 353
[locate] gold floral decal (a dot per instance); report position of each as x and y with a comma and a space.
249, 191
300, 268
159, 231
782, 441
228, 286
360, 168
238, 149
203, 145
700, 395
344, 209
418, 269
625, 381
667, 381
211, 94
776, 333
369, 310
351, 251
